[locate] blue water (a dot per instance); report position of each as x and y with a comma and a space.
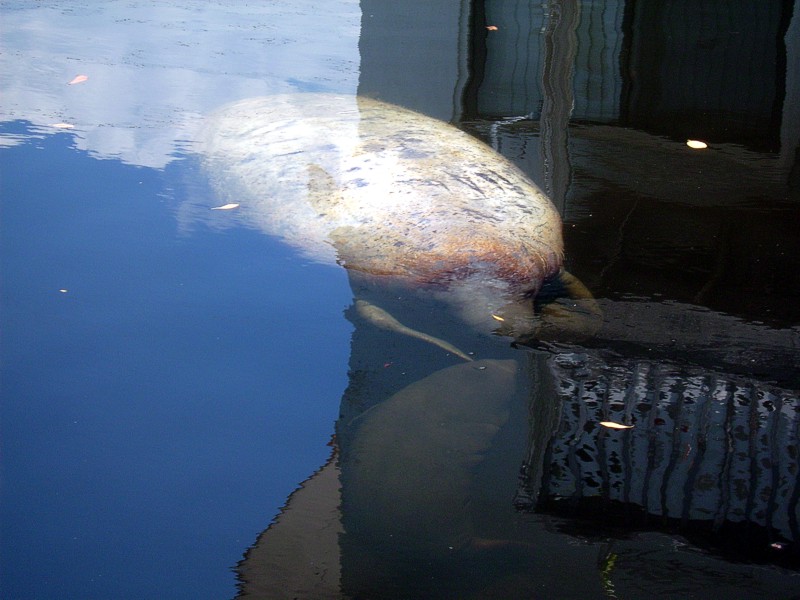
158, 411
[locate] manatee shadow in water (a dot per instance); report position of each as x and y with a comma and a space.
406, 472
394, 500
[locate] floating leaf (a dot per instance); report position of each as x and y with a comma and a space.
62, 125
225, 206
778, 546
612, 425
78, 79
491, 27
696, 144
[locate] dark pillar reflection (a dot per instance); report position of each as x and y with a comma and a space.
708, 70
558, 59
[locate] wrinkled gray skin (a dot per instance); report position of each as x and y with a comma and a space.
392, 194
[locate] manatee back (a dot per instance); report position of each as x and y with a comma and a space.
381, 190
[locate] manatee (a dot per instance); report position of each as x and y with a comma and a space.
391, 195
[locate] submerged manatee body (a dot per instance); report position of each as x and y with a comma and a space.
390, 194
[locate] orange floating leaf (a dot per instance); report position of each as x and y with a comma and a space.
230, 206
78, 79
491, 27
612, 425
696, 144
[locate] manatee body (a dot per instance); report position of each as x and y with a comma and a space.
391, 194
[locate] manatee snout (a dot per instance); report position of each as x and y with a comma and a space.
559, 309
515, 319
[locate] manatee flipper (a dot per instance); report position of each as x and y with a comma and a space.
572, 316
380, 318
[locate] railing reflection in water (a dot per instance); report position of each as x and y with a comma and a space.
711, 455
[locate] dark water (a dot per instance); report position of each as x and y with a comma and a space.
171, 374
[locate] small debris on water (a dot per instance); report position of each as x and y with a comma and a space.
778, 546
612, 425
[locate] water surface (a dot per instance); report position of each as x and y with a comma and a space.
170, 374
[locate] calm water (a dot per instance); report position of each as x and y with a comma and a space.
171, 374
